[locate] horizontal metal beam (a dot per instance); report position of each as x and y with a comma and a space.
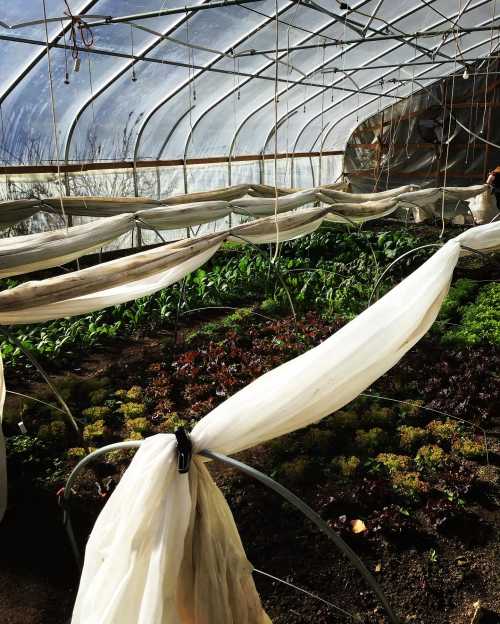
342, 42
140, 164
173, 11
41, 54
335, 70
414, 174
104, 20
191, 66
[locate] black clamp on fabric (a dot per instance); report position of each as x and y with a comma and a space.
184, 450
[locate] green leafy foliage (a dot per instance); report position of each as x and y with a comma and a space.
478, 321
332, 271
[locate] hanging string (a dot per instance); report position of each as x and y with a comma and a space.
469, 141
448, 141
66, 69
488, 68
91, 87
289, 162
191, 77
54, 120
276, 76
134, 77
306, 592
78, 25
322, 116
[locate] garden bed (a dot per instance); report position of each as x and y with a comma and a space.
402, 472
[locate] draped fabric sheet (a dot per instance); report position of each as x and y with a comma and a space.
109, 283
88, 206
339, 197
164, 549
183, 215
484, 207
257, 206
17, 210
426, 203
14, 211
24, 254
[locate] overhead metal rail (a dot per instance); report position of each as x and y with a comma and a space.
374, 81
420, 34
104, 20
80, 167
160, 61
334, 70
61, 33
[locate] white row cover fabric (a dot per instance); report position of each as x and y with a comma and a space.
33, 252
14, 211
426, 203
158, 553
332, 196
24, 254
484, 207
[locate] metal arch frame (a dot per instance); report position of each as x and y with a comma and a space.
336, 55
118, 75
422, 53
374, 81
270, 64
187, 82
41, 54
274, 129
421, 49
476, 45
263, 478
374, 99
373, 15
172, 130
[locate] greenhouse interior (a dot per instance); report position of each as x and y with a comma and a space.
249, 312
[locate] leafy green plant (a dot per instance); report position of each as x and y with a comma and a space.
410, 485
96, 412
443, 431
410, 438
132, 410
468, 448
394, 463
430, 457
346, 466
480, 320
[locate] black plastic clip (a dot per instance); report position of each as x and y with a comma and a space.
184, 450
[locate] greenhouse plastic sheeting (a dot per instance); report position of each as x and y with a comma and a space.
191, 103
408, 141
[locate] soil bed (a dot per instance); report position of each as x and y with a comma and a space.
431, 532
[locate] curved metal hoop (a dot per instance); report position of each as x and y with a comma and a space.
289, 496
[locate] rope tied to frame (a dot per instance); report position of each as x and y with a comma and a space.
78, 25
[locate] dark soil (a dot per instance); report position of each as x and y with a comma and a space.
434, 558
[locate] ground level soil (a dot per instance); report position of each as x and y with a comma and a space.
430, 576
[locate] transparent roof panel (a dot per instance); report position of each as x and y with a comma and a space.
200, 83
